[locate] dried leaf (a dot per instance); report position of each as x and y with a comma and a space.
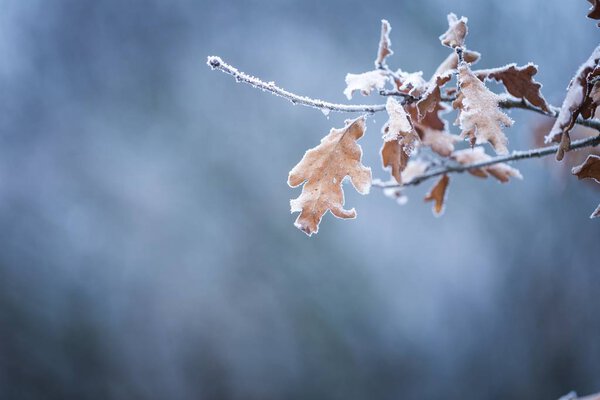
500, 171
322, 170
480, 118
400, 139
594, 12
456, 33
411, 83
576, 102
433, 95
589, 169
440, 142
518, 81
385, 45
365, 82
438, 194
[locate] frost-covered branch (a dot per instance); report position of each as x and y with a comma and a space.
507, 103
216, 63
514, 156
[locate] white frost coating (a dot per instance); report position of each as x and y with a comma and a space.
385, 44
365, 82
480, 115
399, 122
217, 63
413, 82
574, 98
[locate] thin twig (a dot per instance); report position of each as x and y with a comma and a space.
515, 155
508, 102
217, 63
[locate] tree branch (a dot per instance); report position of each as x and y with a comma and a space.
514, 156
507, 102
217, 63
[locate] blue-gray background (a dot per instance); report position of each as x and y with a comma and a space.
147, 250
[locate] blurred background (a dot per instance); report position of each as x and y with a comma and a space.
146, 245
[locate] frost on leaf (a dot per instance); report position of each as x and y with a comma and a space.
433, 130
411, 83
456, 33
400, 138
581, 99
322, 170
385, 45
589, 169
365, 82
479, 116
438, 194
433, 95
519, 82
500, 171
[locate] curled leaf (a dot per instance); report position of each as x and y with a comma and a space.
365, 82
578, 101
438, 194
400, 139
479, 116
385, 44
322, 170
456, 33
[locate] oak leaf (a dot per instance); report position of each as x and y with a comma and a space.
451, 62
400, 138
519, 82
385, 44
500, 171
589, 169
578, 101
456, 33
438, 194
365, 82
322, 170
479, 116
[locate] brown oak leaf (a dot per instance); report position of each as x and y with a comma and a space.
518, 81
500, 171
433, 95
479, 116
385, 45
322, 170
438, 194
433, 130
578, 101
365, 82
456, 33
589, 169
400, 138
594, 12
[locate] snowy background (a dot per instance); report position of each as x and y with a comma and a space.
147, 250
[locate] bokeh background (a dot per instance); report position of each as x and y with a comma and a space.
146, 245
